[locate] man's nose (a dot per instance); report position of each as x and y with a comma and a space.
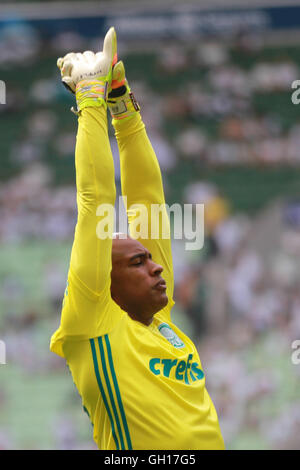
156, 269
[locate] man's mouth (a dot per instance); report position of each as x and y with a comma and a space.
160, 285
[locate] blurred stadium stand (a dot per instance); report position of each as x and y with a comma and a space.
215, 87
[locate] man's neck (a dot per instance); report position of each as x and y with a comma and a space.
139, 318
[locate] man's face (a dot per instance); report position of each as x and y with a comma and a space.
136, 282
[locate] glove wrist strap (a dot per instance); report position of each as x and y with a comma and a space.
91, 93
124, 106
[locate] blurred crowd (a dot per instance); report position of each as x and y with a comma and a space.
239, 297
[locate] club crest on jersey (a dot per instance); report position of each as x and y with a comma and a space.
170, 335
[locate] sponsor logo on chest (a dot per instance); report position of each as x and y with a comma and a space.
181, 370
185, 371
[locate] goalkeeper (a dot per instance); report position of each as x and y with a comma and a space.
140, 378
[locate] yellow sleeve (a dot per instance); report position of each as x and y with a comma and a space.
88, 309
141, 183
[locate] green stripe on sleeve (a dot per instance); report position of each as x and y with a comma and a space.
110, 392
103, 393
113, 374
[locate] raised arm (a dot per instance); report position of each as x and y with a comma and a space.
87, 308
91, 256
141, 178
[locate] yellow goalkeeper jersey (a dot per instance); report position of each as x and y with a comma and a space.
143, 387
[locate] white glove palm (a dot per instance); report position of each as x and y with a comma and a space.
88, 66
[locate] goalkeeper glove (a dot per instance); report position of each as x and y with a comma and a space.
89, 75
121, 101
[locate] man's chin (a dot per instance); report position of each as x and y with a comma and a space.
163, 302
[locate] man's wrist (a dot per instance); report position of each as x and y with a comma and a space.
124, 106
91, 93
